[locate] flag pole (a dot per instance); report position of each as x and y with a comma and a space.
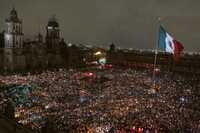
155, 62
156, 54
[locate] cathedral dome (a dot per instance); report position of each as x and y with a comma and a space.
13, 16
53, 22
13, 12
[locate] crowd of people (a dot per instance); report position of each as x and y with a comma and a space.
108, 101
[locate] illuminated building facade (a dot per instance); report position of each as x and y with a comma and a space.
19, 55
13, 35
13, 42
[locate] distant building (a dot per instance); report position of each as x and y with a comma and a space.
19, 55
13, 32
53, 34
13, 43
145, 60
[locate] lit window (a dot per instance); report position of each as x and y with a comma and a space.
50, 28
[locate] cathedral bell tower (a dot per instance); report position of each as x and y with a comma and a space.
13, 43
13, 35
53, 34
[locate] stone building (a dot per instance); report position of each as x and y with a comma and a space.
13, 43
145, 60
40, 53
19, 55
35, 53
54, 58
13, 31
52, 33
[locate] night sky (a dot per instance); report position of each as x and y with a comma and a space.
127, 23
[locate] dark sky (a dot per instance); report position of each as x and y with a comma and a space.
127, 23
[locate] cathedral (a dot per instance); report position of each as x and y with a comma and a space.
17, 54
24, 55
13, 42
53, 33
13, 31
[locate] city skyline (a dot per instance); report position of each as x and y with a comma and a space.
129, 24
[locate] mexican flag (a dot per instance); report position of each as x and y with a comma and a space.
168, 44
